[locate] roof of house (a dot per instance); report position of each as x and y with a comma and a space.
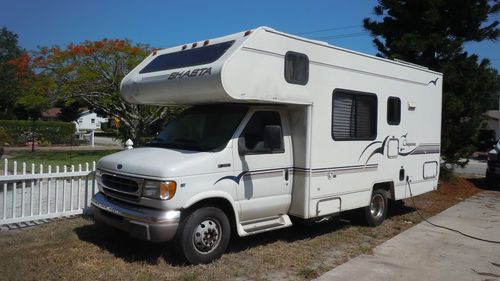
85, 113
52, 112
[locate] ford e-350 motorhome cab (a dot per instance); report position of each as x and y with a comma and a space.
277, 126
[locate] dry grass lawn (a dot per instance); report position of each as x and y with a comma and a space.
77, 249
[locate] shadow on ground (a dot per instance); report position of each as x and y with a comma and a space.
121, 245
484, 184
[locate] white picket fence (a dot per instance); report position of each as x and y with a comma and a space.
44, 193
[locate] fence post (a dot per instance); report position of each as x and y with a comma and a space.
40, 182
49, 182
71, 190
79, 184
31, 188
14, 172
23, 191
5, 170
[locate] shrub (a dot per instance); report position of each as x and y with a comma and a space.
4, 137
46, 132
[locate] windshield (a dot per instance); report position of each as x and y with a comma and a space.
201, 128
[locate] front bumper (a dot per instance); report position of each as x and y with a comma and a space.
140, 222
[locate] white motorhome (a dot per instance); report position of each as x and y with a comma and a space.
278, 127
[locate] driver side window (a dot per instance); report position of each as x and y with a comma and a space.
254, 131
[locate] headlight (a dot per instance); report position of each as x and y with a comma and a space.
159, 189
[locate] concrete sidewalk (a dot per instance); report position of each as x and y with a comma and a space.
425, 252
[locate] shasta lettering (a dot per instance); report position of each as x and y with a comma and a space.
190, 73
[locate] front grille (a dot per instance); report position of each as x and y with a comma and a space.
120, 187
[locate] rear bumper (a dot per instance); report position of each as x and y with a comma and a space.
140, 222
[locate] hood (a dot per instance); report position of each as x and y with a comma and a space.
162, 163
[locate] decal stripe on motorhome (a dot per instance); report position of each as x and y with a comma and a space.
427, 149
265, 173
345, 170
254, 173
342, 169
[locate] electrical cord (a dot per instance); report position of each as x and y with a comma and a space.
444, 227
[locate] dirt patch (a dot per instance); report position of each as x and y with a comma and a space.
458, 188
77, 249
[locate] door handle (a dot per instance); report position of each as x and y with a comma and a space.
286, 175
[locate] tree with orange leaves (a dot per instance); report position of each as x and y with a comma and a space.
92, 72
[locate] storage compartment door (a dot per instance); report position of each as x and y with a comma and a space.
328, 206
430, 170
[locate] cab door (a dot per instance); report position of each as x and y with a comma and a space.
263, 174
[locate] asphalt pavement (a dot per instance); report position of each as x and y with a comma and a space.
425, 252
473, 168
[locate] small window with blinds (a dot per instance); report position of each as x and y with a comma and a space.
296, 68
354, 115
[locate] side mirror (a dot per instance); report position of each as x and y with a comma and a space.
273, 137
242, 147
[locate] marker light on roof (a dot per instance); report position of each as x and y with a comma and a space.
194, 45
184, 47
206, 42
247, 33
154, 52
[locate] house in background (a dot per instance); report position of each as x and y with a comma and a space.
89, 121
51, 114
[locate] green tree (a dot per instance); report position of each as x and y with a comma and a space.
91, 73
70, 110
9, 85
433, 33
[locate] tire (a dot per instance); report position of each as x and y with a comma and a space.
203, 235
376, 212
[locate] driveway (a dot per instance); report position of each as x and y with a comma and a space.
107, 141
425, 252
473, 168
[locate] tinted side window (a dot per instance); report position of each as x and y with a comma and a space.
296, 68
254, 131
354, 115
393, 111
190, 57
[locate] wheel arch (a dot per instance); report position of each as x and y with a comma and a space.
387, 185
220, 200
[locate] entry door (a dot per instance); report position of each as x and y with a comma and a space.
264, 175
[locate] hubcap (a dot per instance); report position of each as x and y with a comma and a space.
207, 235
377, 206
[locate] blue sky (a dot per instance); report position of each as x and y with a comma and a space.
167, 23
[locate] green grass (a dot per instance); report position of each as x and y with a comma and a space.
53, 158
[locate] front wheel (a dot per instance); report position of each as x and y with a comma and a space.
376, 212
203, 235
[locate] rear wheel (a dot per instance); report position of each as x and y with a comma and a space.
203, 235
376, 212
